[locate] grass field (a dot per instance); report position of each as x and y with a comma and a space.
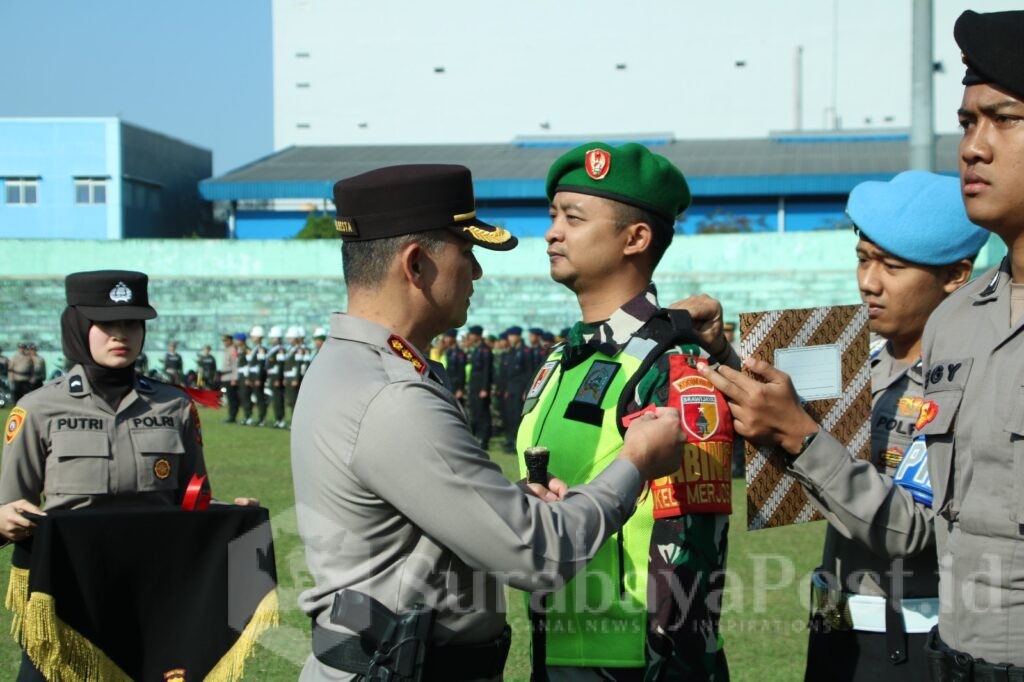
764, 605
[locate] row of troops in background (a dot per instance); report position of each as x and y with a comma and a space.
498, 367
249, 369
25, 371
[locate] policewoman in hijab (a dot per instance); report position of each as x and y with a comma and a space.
100, 434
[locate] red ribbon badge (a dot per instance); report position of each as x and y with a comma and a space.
196, 499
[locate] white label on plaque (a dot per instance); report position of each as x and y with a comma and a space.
817, 371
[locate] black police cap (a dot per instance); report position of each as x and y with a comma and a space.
107, 295
397, 200
992, 46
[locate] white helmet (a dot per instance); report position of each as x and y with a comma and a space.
300, 332
275, 332
257, 331
319, 333
290, 334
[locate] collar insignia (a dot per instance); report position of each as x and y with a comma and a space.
597, 163
404, 350
121, 293
75, 385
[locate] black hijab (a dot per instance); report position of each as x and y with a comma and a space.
112, 385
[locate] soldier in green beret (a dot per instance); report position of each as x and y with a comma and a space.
613, 212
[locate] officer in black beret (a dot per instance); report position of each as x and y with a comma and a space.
973, 353
394, 497
480, 384
454, 360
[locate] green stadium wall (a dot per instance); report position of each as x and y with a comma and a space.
203, 288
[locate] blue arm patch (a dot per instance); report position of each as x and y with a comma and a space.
912, 473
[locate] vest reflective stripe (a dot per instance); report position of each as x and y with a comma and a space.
600, 617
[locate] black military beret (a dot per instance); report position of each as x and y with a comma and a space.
476, 329
398, 200
106, 295
451, 333
992, 46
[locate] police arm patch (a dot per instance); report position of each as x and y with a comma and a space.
14, 424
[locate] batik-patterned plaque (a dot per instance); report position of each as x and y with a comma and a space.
825, 350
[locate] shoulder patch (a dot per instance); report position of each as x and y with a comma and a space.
14, 424
75, 384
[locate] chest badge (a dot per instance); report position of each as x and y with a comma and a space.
929, 411
596, 383
162, 468
541, 380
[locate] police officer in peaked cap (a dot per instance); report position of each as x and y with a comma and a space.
395, 499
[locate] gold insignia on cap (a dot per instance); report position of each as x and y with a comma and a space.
344, 226
499, 236
162, 468
459, 217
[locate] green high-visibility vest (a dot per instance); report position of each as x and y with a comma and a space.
600, 617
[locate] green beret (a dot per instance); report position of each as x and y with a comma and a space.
631, 174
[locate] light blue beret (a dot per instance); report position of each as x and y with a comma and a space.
917, 216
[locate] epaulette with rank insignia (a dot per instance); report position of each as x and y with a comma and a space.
404, 350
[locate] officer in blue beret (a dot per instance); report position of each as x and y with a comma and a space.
479, 384
876, 591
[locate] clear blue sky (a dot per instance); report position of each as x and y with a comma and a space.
198, 70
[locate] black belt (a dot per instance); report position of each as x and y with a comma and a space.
948, 665
452, 662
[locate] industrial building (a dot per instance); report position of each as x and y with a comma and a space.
99, 178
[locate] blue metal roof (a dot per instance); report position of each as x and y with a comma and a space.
807, 164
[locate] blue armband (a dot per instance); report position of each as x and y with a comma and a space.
912, 473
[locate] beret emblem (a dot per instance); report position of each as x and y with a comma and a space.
598, 162
121, 293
